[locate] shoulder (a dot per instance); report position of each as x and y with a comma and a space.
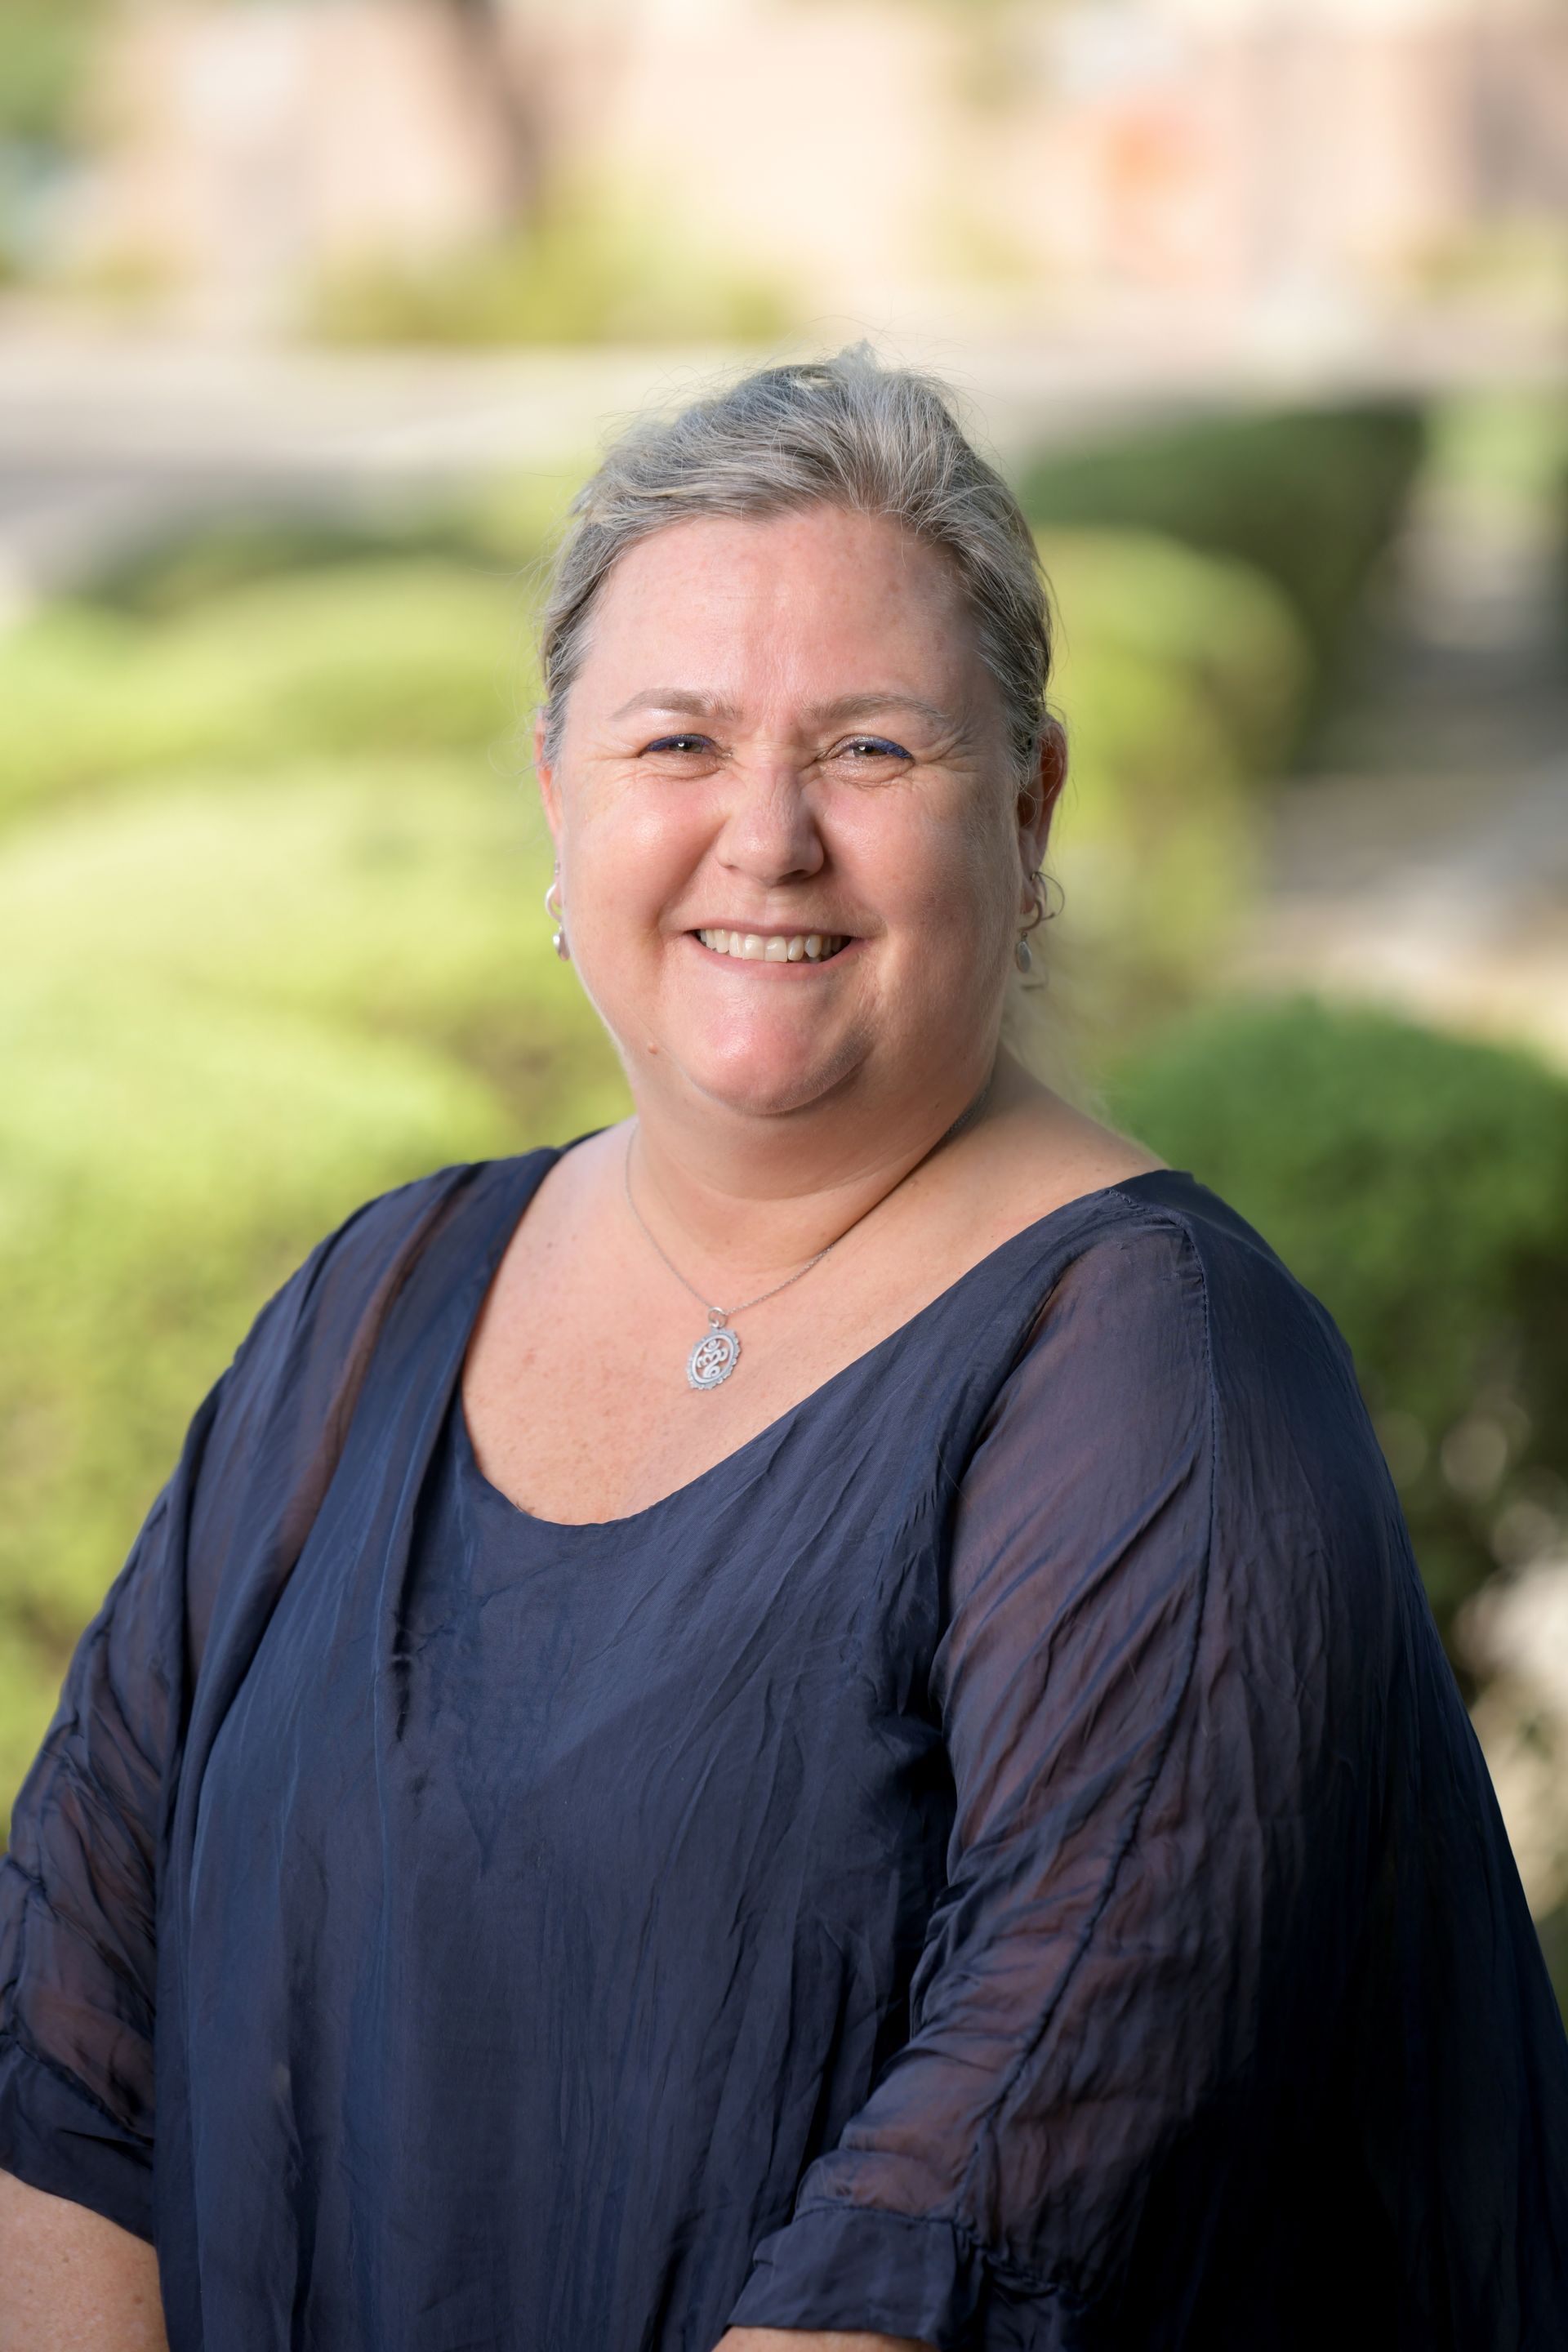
1184, 1402
1163, 1256
298, 1369
1173, 1311
262, 1448
364, 1259
327, 1293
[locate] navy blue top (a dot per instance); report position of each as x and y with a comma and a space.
999, 1860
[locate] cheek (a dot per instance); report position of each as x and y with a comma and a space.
627, 853
940, 874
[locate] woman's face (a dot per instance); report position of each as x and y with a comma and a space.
782, 739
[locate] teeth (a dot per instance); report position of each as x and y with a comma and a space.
755, 947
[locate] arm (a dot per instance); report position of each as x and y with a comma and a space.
80, 1886
1155, 1800
78, 1973
70, 2279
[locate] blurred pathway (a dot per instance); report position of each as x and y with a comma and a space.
107, 439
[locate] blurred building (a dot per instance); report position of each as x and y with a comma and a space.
1293, 162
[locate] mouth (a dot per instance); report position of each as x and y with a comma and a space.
776, 947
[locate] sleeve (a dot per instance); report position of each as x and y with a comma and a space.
1131, 1708
77, 1957
79, 1886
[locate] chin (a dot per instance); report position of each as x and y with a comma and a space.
768, 1081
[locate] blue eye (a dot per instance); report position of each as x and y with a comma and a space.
876, 747
678, 743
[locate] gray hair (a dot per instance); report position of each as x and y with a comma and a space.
844, 432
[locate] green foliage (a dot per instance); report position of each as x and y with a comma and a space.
179, 572
1224, 627
502, 532
1307, 496
398, 657
1180, 680
577, 275
1418, 1184
45, 46
231, 1011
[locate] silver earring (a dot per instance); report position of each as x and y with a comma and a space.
557, 915
1022, 954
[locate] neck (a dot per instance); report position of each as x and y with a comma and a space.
755, 1196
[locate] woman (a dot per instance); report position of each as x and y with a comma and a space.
808, 1723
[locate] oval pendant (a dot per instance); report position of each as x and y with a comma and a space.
713, 1357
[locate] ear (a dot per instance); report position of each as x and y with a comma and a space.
545, 775
1040, 791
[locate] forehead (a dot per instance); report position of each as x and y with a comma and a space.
815, 597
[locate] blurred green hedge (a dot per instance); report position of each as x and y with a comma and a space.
1308, 497
398, 656
232, 1008
1418, 1184
1181, 678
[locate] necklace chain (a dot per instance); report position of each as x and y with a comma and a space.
719, 1316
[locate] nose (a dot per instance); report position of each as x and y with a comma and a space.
770, 832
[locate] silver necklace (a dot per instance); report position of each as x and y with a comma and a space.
715, 1355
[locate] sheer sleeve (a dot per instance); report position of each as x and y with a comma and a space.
77, 1892
79, 1887
1144, 1625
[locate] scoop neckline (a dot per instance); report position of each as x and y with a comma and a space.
770, 1430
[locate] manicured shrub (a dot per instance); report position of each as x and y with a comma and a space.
1180, 680
178, 569
232, 1011
1307, 496
400, 657
1152, 843
1229, 631
1418, 1184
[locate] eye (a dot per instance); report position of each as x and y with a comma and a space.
871, 747
678, 743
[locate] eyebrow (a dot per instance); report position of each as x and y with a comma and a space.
841, 712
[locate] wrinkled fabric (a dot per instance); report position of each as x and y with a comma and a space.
1000, 1860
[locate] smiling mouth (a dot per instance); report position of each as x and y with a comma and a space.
776, 947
